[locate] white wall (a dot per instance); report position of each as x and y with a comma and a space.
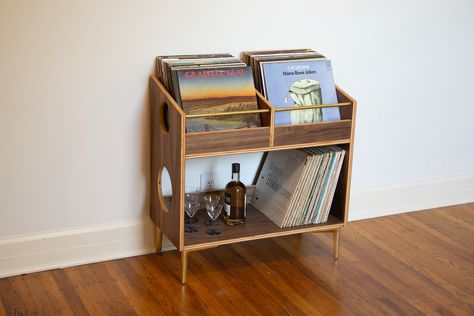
73, 93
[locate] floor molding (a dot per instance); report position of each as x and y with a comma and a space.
39, 252
391, 200
32, 253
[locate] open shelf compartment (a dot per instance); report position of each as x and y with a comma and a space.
321, 132
210, 143
222, 142
257, 226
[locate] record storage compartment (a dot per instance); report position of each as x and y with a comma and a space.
171, 146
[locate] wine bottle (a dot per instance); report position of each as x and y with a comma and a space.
235, 199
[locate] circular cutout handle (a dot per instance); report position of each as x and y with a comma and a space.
164, 117
164, 179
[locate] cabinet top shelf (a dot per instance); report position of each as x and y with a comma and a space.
268, 137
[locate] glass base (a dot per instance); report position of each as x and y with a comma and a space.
213, 232
191, 229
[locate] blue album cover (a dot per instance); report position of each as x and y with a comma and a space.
299, 83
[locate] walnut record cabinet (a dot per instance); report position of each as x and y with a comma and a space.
171, 146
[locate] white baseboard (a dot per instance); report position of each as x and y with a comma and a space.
26, 254
39, 252
391, 200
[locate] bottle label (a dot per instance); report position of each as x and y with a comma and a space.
227, 203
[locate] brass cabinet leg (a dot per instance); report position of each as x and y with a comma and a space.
336, 243
158, 239
184, 266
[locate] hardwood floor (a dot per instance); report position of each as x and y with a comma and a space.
418, 263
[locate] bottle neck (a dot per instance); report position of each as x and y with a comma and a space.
236, 176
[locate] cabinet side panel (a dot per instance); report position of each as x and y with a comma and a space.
340, 205
154, 152
167, 151
346, 111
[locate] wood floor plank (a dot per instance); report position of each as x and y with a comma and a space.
159, 281
407, 282
12, 302
243, 277
282, 288
436, 256
116, 299
189, 302
339, 277
68, 291
279, 291
210, 303
409, 251
235, 281
419, 263
463, 212
3, 311
44, 289
280, 264
139, 296
98, 292
26, 295
375, 293
216, 283
442, 226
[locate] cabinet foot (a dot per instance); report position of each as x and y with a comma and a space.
336, 243
158, 239
184, 266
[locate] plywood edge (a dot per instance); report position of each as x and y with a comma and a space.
319, 229
351, 157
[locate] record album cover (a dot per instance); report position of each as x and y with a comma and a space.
299, 83
214, 90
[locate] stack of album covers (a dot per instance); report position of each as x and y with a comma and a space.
297, 77
210, 84
296, 187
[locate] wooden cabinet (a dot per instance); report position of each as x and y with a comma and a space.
171, 146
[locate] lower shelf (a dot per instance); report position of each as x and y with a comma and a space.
257, 226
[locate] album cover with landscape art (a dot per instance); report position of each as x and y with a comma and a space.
217, 90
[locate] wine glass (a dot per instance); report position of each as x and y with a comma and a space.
212, 208
214, 215
191, 205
